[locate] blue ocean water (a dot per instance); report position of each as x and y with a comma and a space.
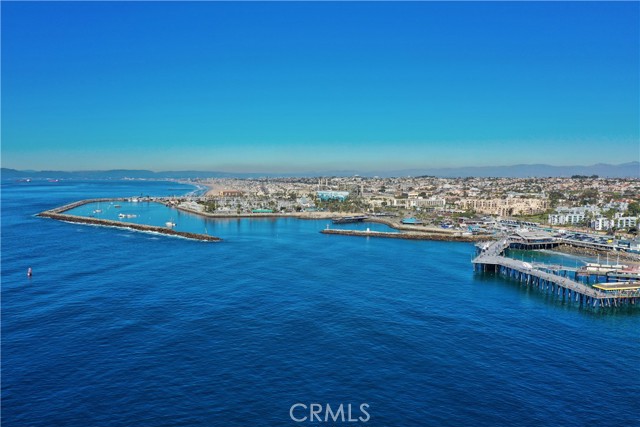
122, 328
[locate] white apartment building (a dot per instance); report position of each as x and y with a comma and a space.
570, 216
566, 218
601, 223
626, 221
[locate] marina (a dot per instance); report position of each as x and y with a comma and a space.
60, 213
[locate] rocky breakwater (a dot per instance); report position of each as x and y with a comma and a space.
592, 252
57, 213
405, 235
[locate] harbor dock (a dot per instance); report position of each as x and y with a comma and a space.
59, 214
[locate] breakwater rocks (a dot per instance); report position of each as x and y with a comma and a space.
57, 213
577, 250
407, 236
70, 206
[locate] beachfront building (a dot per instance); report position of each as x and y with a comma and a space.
601, 223
567, 218
505, 207
626, 221
572, 216
332, 195
430, 203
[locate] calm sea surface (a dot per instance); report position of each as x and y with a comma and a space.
122, 328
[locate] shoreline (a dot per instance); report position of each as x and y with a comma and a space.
418, 233
408, 232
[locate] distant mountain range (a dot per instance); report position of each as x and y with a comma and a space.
624, 170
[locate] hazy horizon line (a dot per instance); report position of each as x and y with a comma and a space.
311, 169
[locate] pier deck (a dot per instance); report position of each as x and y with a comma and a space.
618, 286
491, 258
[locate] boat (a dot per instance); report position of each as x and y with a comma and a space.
349, 219
411, 221
121, 215
170, 224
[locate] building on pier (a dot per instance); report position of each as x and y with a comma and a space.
490, 258
532, 239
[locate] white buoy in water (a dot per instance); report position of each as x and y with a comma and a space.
29, 272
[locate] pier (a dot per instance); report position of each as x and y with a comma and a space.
490, 258
59, 214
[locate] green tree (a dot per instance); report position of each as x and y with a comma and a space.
589, 197
210, 206
633, 209
554, 198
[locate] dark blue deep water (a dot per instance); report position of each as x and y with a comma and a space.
122, 328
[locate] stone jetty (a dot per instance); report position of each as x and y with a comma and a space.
404, 235
58, 213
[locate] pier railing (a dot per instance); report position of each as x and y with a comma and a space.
491, 258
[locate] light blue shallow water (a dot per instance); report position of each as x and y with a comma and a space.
121, 328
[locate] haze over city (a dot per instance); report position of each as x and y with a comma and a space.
293, 87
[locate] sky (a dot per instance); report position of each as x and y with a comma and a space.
295, 86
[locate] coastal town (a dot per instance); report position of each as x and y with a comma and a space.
584, 216
589, 204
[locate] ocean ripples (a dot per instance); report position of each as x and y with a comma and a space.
124, 328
